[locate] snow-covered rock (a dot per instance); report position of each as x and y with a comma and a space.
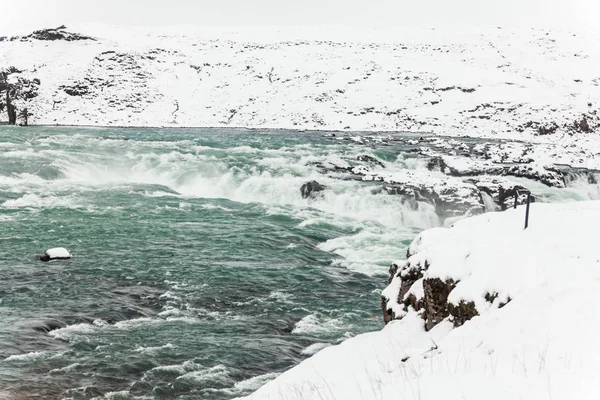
527, 326
57, 253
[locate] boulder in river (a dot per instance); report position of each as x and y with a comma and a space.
57, 253
310, 189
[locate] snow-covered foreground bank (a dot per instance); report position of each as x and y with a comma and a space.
535, 337
480, 81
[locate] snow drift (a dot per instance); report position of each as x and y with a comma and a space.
530, 333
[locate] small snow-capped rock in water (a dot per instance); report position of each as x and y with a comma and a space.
58, 253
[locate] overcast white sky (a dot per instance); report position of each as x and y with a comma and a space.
24, 15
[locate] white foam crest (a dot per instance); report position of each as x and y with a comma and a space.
170, 312
215, 207
314, 324
120, 395
280, 296
34, 355
254, 383
68, 368
159, 193
72, 331
27, 154
155, 349
180, 369
21, 182
581, 189
133, 323
314, 348
32, 200
351, 200
217, 373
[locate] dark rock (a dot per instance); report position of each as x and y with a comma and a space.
388, 314
490, 297
77, 89
310, 189
54, 34
370, 160
409, 273
547, 129
462, 312
582, 126
448, 200
503, 303
436, 300
452, 201
392, 272
49, 326
549, 176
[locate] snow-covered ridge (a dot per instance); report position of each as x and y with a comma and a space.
488, 310
481, 82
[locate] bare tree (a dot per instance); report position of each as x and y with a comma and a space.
24, 115
18, 90
9, 91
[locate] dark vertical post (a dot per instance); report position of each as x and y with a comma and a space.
516, 198
527, 210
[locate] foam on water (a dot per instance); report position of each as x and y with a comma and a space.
315, 324
254, 382
156, 349
218, 373
25, 357
36, 201
278, 295
315, 348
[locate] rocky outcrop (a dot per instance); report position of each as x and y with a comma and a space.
435, 301
587, 123
77, 89
411, 289
311, 189
546, 174
52, 34
409, 277
370, 160
504, 194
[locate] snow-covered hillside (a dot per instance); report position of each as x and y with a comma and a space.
531, 296
478, 82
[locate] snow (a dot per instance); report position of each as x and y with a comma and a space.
541, 345
477, 81
58, 252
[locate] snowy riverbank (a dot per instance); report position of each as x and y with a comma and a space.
484, 82
534, 336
